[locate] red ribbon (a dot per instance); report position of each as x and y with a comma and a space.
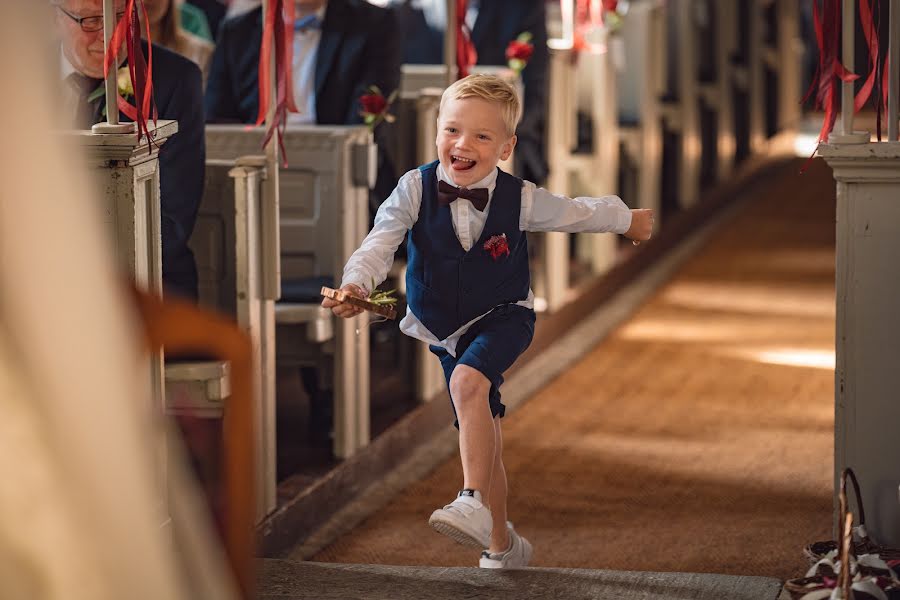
871, 35
278, 29
830, 72
466, 56
588, 15
128, 31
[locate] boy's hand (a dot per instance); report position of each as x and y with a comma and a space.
345, 310
641, 225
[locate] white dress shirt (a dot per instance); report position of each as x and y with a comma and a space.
540, 211
435, 12
65, 67
306, 48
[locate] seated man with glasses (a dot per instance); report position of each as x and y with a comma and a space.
178, 93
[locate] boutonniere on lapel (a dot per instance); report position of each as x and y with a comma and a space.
519, 52
375, 107
123, 83
497, 246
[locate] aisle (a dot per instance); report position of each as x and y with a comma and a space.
697, 438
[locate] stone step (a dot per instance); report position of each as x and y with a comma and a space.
290, 580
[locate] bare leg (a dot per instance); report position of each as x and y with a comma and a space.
497, 496
469, 390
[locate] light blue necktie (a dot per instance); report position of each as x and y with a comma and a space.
308, 22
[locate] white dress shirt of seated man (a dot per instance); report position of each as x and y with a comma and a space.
306, 46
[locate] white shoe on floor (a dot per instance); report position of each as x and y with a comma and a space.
465, 520
517, 557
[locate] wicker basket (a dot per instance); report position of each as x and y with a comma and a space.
866, 581
863, 544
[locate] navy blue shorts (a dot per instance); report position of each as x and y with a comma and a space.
491, 346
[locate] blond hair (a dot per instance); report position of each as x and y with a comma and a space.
492, 89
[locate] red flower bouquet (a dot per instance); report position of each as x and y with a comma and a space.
497, 246
375, 106
519, 52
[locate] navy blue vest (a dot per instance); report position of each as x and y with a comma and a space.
446, 287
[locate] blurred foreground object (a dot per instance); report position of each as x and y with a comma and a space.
80, 504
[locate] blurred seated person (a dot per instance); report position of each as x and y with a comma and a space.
193, 20
166, 30
494, 24
178, 92
213, 10
341, 47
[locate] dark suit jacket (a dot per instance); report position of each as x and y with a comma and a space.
498, 23
178, 92
359, 47
178, 87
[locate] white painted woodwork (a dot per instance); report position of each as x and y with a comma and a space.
639, 87
868, 331
682, 115
233, 256
722, 101
324, 216
551, 281
597, 174
428, 103
127, 173
755, 78
790, 51
197, 389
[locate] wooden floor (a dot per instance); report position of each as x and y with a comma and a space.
698, 437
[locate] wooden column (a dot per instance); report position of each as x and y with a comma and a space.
128, 176
867, 339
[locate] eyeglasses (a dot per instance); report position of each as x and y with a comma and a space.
88, 24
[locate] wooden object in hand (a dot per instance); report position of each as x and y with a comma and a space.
342, 296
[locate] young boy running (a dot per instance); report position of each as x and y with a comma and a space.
468, 285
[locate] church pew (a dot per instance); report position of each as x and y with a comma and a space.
747, 78
551, 278
639, 87
324, 215
596, 171
681, 108
782, 56
234, 256
716, 42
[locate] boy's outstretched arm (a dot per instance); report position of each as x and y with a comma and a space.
545, 211
373, 259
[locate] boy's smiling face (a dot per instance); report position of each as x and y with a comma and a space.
472, 138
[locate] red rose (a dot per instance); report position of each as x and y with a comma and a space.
610, 5
497, 246
373, 104
519, 50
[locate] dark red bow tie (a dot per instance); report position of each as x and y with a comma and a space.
448, 193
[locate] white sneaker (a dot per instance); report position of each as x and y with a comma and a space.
465, 520
517, 557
